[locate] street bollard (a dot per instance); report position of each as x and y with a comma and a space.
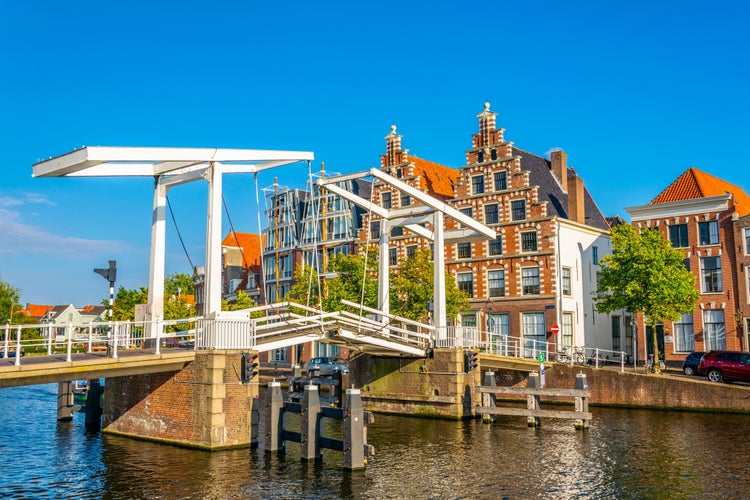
274, 422
310, 436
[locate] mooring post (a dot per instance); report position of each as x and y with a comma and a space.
532, 400
274, 415
65, 401
489, 399
310, 436
354, 431
581, 402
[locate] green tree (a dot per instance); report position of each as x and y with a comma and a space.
125, 302
10, 302
179, 284
413, 287
243, 301
644, 273
346, 283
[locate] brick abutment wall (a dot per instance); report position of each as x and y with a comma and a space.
202, 406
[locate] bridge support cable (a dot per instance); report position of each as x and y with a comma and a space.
179, 235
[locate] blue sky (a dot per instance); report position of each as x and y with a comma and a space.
635, 92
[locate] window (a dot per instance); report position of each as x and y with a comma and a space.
392, 257
496, 283
399, 173
385, 199
278, 354
528, 241
747, 241
616, 333
499, 323
467, 211
480, 156
496, 246
491, 214
684, 340
493, 154
410, 251
708, 233
533, 328
518, 209
464, 250
595, 255
477, 184
501, 180
567, 329
405, 200
678, 235
566, 289
713, 328
375, 230
711, 274
469, 319
466, 283
530, 280
397, 231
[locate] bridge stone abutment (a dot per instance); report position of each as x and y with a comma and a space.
204, 405
430, 387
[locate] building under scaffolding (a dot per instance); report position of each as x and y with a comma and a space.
310, 230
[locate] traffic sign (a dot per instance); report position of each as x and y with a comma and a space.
554, 329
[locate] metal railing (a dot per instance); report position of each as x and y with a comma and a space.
281, 320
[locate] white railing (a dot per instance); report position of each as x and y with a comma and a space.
279, 321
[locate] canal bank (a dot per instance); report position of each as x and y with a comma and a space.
441, 387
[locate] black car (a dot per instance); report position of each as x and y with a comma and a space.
690, 365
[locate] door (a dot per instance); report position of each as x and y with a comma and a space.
659, 340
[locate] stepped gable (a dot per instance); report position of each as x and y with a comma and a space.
540, 174
694, 183
438, 179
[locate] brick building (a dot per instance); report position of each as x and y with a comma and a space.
542, 267
706, 217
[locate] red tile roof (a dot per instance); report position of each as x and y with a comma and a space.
439, 179
37, 310
251, 247
694, 183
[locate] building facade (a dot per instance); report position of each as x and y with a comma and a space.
706, 217
541, 268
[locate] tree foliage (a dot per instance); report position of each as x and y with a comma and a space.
413, 287
644, 273
176, 306
10, 302
349, 273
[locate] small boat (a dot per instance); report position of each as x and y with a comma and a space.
80, 392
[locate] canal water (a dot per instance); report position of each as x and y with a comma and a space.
624, 454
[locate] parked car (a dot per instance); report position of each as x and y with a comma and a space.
725, 366
690, 365
326, 366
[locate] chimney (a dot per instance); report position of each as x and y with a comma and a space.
560, 168
576, 211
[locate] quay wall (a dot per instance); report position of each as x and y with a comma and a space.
438, 387
202, 406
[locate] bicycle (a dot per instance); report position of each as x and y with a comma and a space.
565, 355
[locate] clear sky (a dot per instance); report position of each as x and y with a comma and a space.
635, 92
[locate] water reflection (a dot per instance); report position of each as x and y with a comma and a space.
624, 454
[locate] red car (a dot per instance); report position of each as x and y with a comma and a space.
725, 366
